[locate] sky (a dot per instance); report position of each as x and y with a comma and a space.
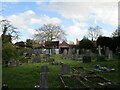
75, 16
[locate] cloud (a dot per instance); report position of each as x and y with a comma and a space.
75, 31
11, 0
39, 2
107, 12
28, 18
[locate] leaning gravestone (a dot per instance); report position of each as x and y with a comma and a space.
86, 58
65, 69
110, 55
70, 53
65, 54
44, 77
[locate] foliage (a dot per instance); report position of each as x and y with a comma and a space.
20, 44
86, 44
49, 32
112, 43
8, 52
8, 29
94, 32
104, 41
29, 43
22, 76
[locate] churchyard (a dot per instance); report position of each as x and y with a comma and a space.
71, 69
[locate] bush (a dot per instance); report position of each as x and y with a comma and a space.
8, 52
86, 44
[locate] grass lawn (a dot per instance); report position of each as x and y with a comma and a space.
28, 74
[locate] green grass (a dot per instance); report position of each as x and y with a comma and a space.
28, 74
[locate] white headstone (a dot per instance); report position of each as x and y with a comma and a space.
99, 50
110, 55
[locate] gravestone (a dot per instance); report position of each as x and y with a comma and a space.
65, 69
86, 58
48, 59
107, 51
77, 54
37, 59
99, 50
82, 51
101, 58
44, 80
47, 51
57, 51
44, 77
44, 69
14, 63
70, 54
65, 53
110, 55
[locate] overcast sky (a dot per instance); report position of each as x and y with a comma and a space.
75, 17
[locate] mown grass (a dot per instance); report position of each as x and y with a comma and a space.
28, 74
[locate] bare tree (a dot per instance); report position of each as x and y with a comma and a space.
49, 32
8, 29
116, 33
94, 32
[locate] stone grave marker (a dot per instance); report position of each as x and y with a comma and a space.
65, 53
107, 51
37, 59
110, 55
14, 63
65, 69
101, 58
70, 54
86, 58
48, 59
99, 50
77, 54
44, 69
44, 77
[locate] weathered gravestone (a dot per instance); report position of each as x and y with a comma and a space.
86, 58
99, 50
73, 53
107, 50
65, 54
110, 55
44, 69
44, 77
77, 54
70, 54
48, 59
37, 59
53, 51
14, 63
101, 58
65, 69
